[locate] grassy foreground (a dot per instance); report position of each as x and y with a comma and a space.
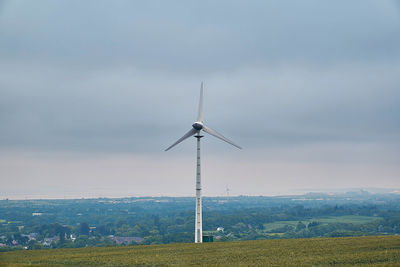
371, 250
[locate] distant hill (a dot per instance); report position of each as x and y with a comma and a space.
360, 251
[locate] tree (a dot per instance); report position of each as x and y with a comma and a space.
33, 244
84, 229
300, 226
102, 230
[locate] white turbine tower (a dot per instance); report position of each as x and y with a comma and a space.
196, 128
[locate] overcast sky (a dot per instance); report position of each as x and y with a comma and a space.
92, 92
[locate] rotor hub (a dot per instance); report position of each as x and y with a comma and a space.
197, 125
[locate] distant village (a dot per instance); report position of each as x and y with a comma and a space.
42, 224
36, 240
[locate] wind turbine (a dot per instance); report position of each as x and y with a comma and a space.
197, 127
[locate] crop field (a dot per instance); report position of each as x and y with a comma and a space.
359, 251
355, 219
347, 219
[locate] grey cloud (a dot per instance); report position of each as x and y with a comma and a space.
88, 75
130, 110
199, 37
95, 89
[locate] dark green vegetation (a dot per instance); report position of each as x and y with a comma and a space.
38, 224
377, 250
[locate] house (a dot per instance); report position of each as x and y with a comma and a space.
32, 236
72, 237
48, 240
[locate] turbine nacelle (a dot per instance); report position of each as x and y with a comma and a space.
198, 125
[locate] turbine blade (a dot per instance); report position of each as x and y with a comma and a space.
200, 113
218, 135
187, 135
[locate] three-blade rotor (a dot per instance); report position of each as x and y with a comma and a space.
198, 126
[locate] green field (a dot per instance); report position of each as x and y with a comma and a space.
359, 251
355, 219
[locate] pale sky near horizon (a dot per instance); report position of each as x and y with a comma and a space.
92, 92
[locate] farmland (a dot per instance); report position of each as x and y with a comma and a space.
354, 219
361, 251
